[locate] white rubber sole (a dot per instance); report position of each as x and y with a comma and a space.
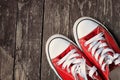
81, 19
47, 53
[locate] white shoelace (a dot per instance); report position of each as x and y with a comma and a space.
78, 65
96, 46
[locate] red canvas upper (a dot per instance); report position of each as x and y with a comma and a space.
111, 44
63, 72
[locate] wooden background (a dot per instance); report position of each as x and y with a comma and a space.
25, 25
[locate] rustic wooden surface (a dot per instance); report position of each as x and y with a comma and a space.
25, 26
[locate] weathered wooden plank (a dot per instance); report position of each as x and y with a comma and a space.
115, 74
116, 20
100, 10
8, 15
28, 40
56, 20
6, 65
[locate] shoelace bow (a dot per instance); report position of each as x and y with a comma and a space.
97, 47
78, 65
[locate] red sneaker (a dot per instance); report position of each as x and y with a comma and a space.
97, 43
67, 61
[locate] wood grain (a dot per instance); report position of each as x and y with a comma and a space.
115, 74
8, 14
28, 40
116, 20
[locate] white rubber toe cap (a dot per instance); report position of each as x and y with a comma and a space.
56, 46
85, 26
